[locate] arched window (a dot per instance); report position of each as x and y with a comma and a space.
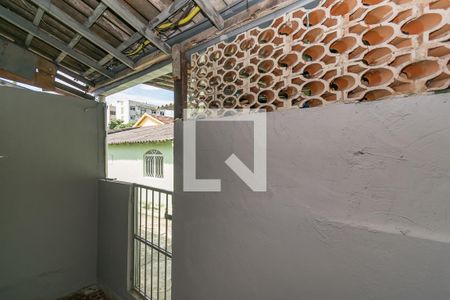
154, 164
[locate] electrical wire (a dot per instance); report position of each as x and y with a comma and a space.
185, 19
167, 28
139, 48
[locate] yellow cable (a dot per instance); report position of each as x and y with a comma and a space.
194, 11
138, 49
165, 25
190, 16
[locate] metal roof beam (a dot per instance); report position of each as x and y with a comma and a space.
212, 14
123, 11
29, 27
83, 30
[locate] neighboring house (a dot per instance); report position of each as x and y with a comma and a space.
152, 120
130, 111
142, 155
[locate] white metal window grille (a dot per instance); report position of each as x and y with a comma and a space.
154, 164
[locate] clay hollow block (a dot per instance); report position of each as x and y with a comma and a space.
342, 51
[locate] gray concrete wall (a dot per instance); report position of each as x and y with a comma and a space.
115, 224
51, 156
357, 207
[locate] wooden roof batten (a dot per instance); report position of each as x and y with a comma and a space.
211, 13
82, 30
32, 29
122, 10
99, 10
88, 52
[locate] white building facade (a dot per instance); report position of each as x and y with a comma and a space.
129, 110
111, 113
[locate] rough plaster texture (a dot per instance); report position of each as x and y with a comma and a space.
357, 207
114, 226
51, 156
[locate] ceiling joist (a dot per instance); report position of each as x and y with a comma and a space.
71, 82
99, 10
71, 91
83, 30
75, 76
166, 13
133, 39
209, 11
36, 21
127, 21
124, 12
30, 28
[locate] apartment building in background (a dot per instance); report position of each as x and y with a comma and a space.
111, 114
129, 110
165, 112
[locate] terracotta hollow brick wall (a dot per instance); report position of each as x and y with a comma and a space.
341, 51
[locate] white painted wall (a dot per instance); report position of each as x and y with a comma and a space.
357, 207
51, 156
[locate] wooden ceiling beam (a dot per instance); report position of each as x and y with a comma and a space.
71, 82
70, 91
252, 13
83, 30
75, 76
36, 21
162, 82
211, 13
142, 64
99, 10
20, 64
123, 10
165, 87
159, 5
29, 27
166, 13
133, 39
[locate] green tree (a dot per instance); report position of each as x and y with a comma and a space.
114, 123
119, 124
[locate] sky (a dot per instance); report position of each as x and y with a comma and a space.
144, 93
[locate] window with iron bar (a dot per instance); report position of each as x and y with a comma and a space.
154, 164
